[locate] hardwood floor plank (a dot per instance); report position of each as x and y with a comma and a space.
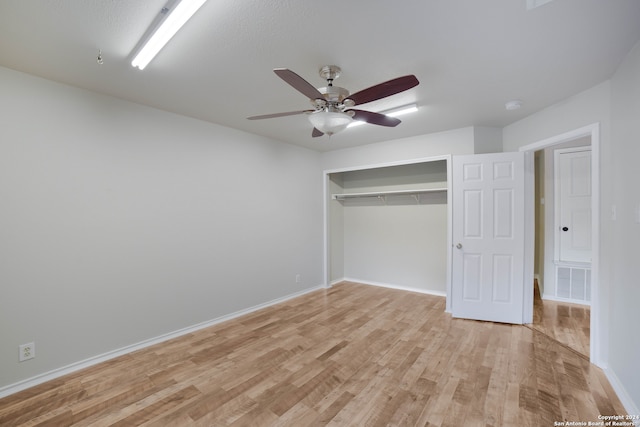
229, 412
567, 323
335, 405
59, 417
142, 413
350, 355
436, 411
108, 402
33, 406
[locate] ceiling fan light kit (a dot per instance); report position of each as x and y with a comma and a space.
330, 122
329, 117
332, 105
170, 19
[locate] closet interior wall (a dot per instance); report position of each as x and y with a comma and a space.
388, 226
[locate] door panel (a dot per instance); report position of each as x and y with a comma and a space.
573, 188
503, 214
472, 271
488, 236
502, 277
472, 214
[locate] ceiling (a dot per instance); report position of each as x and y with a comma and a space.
470, 57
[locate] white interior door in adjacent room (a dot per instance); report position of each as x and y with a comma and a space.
488, 261
573, 204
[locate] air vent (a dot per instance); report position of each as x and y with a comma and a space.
573, 283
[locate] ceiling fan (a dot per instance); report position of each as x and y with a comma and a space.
332, 105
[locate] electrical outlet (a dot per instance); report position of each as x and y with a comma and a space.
27, 351
298, 278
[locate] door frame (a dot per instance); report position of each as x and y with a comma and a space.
592, 131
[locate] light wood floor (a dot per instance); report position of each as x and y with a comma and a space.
569, 324
353, 355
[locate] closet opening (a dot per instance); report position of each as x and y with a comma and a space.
389, 225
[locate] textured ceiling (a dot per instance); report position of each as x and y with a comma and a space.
470, 56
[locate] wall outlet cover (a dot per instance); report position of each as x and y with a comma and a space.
27, 351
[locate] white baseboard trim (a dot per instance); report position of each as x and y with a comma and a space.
392, 286
629, 405
76, 366
335, 282
568, 300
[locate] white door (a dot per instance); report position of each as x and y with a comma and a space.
573, 204
488, 257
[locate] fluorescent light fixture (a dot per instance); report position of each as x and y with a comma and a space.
401, 111
172, 17
394, 112
532, 4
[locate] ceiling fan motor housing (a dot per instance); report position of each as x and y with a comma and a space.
334, 94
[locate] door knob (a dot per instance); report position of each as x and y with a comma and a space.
565, 228
459, 246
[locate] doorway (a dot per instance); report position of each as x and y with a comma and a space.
546, 268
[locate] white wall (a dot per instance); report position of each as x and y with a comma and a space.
624, 242
615, 104
487, 139
585, 108
457, 141
121, 223
400, 245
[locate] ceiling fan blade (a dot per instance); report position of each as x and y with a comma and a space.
316, 133
298, 83
375, 118
271, 116
385, 89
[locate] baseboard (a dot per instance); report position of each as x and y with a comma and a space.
629, 405
335, 282
392, 286
567, 300
76, 366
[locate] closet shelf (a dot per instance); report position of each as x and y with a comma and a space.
383, 194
